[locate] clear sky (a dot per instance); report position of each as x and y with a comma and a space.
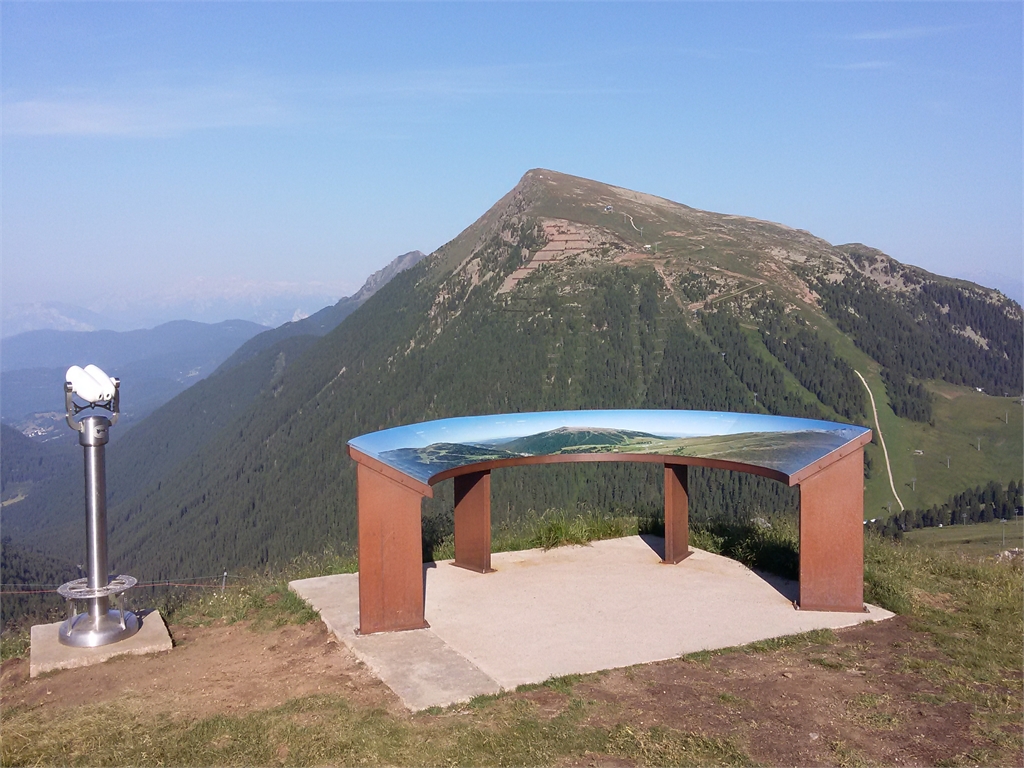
147, 145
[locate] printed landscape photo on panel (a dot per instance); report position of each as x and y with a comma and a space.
779, 443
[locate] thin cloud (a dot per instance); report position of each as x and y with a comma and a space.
864, 66
163, 111
904, 33
145, 112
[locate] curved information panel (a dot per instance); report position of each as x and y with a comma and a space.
397, 467
783, 447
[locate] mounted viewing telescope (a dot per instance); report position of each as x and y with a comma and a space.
99, 625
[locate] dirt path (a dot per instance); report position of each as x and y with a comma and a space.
715, 299
881, 439
668, 284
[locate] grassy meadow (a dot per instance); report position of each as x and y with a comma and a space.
974, 539
917, 451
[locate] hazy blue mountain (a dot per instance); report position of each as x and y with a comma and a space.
21, 317
47, 348
154, 365
202, 301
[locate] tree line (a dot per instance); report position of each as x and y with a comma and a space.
922, 333
761, 377
981, 504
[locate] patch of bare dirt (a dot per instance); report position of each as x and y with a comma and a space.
938, 600
849, 702
211, 670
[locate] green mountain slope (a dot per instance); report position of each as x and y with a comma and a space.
566, 294
26, 464
51, 513
567, 439
40, 573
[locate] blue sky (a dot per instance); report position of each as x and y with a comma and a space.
155, 145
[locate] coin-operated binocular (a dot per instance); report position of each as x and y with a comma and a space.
99, 624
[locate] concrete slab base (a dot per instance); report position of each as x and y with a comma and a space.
565, 611
47, 654
417, 665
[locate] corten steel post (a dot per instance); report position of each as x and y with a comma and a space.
832, 537
677, 514
390, 554
473, 522
99, 625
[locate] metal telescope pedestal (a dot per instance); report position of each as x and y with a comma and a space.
99, 624
101, 631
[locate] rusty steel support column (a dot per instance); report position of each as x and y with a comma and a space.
832, 537
473, 522
677, 514
390, 554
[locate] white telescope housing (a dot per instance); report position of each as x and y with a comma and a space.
91, 384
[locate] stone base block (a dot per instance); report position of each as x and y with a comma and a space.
47, 654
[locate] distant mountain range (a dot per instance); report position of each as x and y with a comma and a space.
154, 365
566, 294
52, 316
200, 301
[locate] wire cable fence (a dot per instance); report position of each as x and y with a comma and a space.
178, 581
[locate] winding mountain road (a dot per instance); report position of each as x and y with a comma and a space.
881, 439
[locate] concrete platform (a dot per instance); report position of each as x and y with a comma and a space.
47, 654
565, 611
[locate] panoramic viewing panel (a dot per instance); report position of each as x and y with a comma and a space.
778, 443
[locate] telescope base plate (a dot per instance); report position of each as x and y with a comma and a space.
83, 631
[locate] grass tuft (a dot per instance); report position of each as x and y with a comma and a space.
263, 599
666, 746
14, 643
771, 546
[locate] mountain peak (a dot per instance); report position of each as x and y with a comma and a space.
382, 276
556, 224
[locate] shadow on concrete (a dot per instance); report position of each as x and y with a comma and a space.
788, 588
656, 543
426, 567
